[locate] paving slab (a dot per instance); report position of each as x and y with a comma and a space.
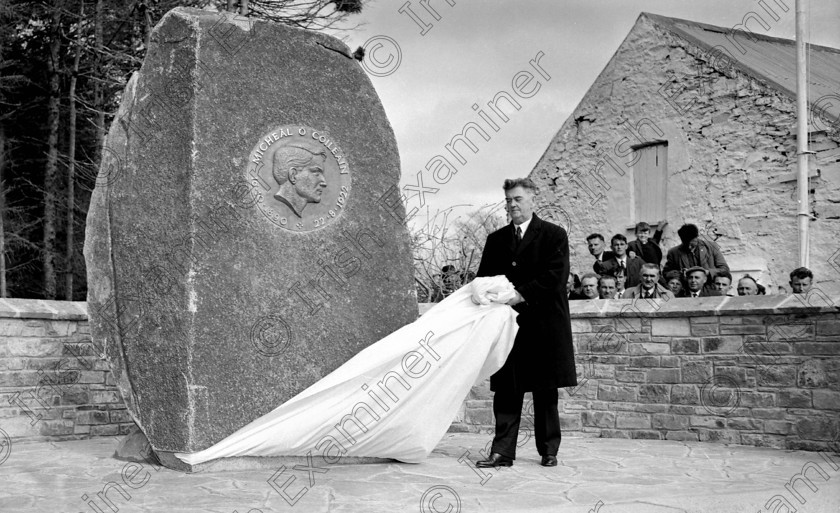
595, 475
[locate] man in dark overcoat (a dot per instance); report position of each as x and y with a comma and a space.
695, 251
534, 255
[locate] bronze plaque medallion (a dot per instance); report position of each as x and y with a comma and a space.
301, 177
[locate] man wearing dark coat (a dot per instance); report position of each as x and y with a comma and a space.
695, 251
595, 243
696, 279
534, 255
620, 259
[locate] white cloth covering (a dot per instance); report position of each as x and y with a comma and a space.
397, 397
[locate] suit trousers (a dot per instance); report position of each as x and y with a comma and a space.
507, 408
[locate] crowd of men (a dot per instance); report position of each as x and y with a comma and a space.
694, 268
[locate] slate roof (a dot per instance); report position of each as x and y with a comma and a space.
771, 60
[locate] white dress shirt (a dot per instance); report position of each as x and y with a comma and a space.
523, 226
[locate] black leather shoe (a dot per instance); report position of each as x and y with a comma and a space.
495, 460
549, 461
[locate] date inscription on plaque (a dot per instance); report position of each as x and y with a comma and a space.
300, 177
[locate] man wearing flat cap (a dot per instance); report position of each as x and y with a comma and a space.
695, 252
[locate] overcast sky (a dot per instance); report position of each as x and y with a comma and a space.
476, 48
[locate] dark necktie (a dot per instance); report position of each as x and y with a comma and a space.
518, 235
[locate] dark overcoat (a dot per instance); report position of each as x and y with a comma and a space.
704, 292
633, 273
706, 255
543, 355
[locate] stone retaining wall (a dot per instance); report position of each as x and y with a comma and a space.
761, 370
54, 385
757, 371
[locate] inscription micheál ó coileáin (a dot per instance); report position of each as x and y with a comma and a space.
300, 177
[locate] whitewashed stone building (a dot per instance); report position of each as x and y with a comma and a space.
695, 123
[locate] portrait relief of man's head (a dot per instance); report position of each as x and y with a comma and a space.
299, 171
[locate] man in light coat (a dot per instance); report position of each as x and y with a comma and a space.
649, 288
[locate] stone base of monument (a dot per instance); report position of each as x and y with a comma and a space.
135, 447
272, 464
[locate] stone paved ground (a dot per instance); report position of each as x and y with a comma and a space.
595, 475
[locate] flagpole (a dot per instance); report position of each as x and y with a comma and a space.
802, 185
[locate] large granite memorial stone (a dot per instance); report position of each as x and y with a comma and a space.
238, 247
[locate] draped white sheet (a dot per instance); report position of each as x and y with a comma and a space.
397, 397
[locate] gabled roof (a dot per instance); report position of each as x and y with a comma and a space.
771, 60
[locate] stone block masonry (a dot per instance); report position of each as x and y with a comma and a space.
775, 387
760, 370
54, 383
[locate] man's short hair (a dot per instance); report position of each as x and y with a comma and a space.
801, 273
595, 236
607, 277
642, 226
292, 155
760, 289
650, 267
588, 276
525, 183
688, 232
724, 274
576, 280
618, 236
